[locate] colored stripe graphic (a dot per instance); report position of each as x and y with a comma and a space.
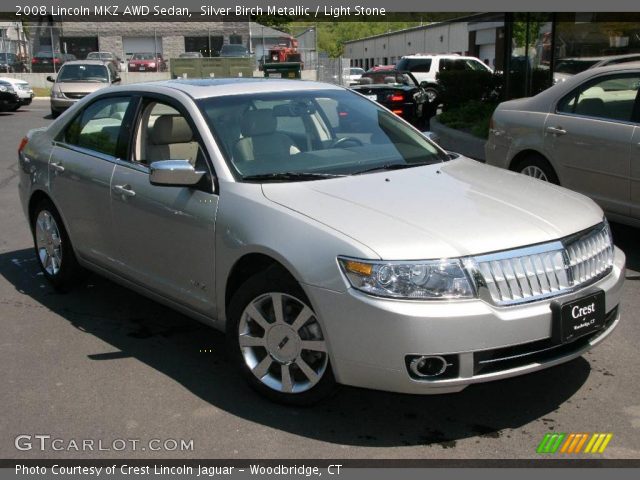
572, 443
550, 442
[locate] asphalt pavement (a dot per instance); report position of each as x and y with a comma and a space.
102, 363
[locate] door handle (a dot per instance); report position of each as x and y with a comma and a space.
124, 190
57, 167
556, 130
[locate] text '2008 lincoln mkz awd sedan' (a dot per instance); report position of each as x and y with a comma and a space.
329, 239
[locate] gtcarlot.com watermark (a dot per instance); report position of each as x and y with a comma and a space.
48, 443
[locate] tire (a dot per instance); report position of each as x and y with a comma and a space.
274, 352
53, 248
536, 166
432, 95
55, 113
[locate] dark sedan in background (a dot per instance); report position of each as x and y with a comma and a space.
399, 91
9, 100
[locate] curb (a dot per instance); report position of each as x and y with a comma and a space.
458, 141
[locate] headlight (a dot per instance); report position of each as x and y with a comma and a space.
429, 279
152, 65
3, 89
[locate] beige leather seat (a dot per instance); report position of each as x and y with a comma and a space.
171, 138
260, 139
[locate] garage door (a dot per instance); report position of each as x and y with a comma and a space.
133, 45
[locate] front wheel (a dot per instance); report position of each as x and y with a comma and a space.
53, 247
277, 342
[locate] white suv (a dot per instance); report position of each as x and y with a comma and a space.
426, 67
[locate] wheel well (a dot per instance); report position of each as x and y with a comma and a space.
524, 154
247, 266
35, 199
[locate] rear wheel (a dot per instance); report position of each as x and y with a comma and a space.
53, 247
536, 166
277, 342
55, 113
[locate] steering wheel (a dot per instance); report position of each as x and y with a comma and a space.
342, 140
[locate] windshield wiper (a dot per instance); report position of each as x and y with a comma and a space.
274, 177
392, 166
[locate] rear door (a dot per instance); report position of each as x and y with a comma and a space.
590, 135
80, 168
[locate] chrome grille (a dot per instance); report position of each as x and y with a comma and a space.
531, 273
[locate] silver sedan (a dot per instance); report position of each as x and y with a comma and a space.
329, 239
583, 134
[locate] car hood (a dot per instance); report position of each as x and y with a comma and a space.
80, 87
452, 209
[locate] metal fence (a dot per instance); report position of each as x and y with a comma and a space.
333, 70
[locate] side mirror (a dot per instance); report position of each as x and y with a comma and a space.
424, 84
452, 155
176, 173
51, 79
116, 80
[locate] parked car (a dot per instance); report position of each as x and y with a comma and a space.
190, 55
582, 134
10, 63
233, 50
353, 75
47, 62
426, 68
329, 247
146, 62
565, 68
9, 100
398, 91
77, 79
106, 57
22, 89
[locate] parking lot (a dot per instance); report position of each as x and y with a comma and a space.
104, 363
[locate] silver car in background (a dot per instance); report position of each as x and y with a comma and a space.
583, 134
77, 79
329, 239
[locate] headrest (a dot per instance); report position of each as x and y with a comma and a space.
169, 129
390, 80
365, 81
258, 122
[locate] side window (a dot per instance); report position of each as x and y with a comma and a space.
164, 134
610, 98
420, 66
98, 126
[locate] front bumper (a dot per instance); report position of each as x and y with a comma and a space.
370, 338
59, 104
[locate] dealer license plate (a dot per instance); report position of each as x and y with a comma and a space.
579, 317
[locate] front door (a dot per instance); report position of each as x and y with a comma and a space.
166, 234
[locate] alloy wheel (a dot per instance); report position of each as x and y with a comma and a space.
48, 242
535, 172
282, 343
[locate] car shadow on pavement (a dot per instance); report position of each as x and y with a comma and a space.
172, 344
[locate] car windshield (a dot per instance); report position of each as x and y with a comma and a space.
310, 134
83, 73
143, 56
7, 57
573, 67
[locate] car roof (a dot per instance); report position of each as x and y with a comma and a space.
85, 62
205, 88
441, 55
